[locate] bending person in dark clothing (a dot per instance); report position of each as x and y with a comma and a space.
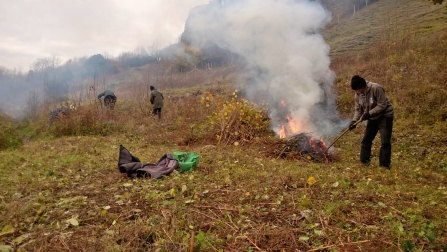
109, 99
56, 113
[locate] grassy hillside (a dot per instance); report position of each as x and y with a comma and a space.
382, 21
344, 8
62, 191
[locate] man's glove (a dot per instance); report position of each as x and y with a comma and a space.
366, 116
352, 125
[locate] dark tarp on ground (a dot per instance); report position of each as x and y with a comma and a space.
133, 167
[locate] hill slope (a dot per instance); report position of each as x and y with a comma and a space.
380, 20
62, 191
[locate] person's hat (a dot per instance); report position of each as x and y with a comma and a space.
357, 82
152, 87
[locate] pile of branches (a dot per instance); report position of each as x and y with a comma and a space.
302, 146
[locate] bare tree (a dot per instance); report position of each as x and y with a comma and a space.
55, 61
43, 64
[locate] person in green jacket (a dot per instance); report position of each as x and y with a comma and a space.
372, 104
156, 99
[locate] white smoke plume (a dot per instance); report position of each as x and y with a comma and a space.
285, 52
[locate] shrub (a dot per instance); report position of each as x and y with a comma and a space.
87, 120
9, 134
235, 120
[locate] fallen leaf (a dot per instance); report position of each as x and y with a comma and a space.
103, 212
304, 238
73, 221
39, 213
305, 202
319, 232
8, 229
110, 232
311, 180
20, 239
5, 248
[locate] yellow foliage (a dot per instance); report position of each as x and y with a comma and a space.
235, 119
311, 180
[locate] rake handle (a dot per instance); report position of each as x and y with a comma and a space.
344, 132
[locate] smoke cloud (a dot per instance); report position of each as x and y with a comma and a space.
285, 54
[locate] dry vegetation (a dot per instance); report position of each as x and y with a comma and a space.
61, 189
380, 22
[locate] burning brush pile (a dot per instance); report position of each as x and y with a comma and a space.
302, 146
294, 144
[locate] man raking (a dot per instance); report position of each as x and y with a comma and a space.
372, 104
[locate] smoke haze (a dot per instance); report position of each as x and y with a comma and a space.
32, 29
285, 54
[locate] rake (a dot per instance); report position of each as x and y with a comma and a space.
344, 132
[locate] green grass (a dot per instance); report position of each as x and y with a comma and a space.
66, 193
236, 195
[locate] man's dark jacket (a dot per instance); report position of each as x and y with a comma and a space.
133, 167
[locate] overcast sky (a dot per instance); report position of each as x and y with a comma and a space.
32, 29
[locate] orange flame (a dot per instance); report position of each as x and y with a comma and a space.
294, 126
282, 132
323, 142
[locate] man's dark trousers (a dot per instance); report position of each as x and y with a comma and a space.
384, 125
